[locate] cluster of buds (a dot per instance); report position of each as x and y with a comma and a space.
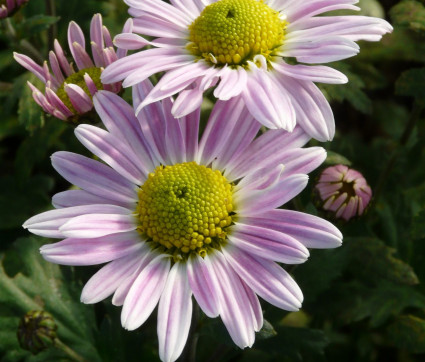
9, 7
37, 331
343, 191
68, 92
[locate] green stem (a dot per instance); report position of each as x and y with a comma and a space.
31, 51
414, 117
24, 44
190, 354
70, 352
298, 205
53, 30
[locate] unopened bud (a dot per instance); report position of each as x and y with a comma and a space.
36, 331
343, 191
9, 7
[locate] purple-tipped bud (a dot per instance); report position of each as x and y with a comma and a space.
36, 331
9, 7
343, 191
69, 85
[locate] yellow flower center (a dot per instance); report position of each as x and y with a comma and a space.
235, 31
78, 79
185, 208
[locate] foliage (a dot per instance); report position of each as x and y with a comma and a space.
364, 301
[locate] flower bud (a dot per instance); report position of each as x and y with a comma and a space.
36, 331
343, 191
8, 8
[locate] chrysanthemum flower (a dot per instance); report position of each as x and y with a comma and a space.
343, 191
68, 92
176, 217
8, 7
250, 49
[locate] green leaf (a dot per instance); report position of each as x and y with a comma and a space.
266, 331
415, 197
410, 14
408, 333
351, 92
36, 24
30, 113
418, 226
35, 147
412, 83
22, 199
334, 158
379, 303
294, 344
388, 220
323, 267
378, 262
43, 287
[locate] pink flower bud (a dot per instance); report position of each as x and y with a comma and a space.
343, 191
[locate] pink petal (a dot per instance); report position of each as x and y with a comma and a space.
102, 284
280, 192
268, 244
118, 117
314, 113
204, 284
311, 231
29, 64
174, 314
269, 143
232, 83
229, 131
164, 10
97, 225
94, 177
153, 25
130, 41
48, 223
92, 251
112, 151
80, 197
145, 293
123, 289
266, 278
235, 307
79, 99
267, 101
317, 73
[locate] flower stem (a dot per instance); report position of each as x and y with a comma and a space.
24, 44
70, 352
52, 32
414, 117
193, 336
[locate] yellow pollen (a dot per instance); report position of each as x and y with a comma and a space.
185, 208
78, 79
235, 31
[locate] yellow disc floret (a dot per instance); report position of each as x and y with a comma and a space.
185, 208
234, 31
78, 79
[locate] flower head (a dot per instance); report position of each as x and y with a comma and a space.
36, 331
248, 49
173, 216
68, 92
8, 7
343, 191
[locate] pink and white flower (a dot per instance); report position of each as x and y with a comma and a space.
8, 7
343, 191
204, 43
233, 259
68, 92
